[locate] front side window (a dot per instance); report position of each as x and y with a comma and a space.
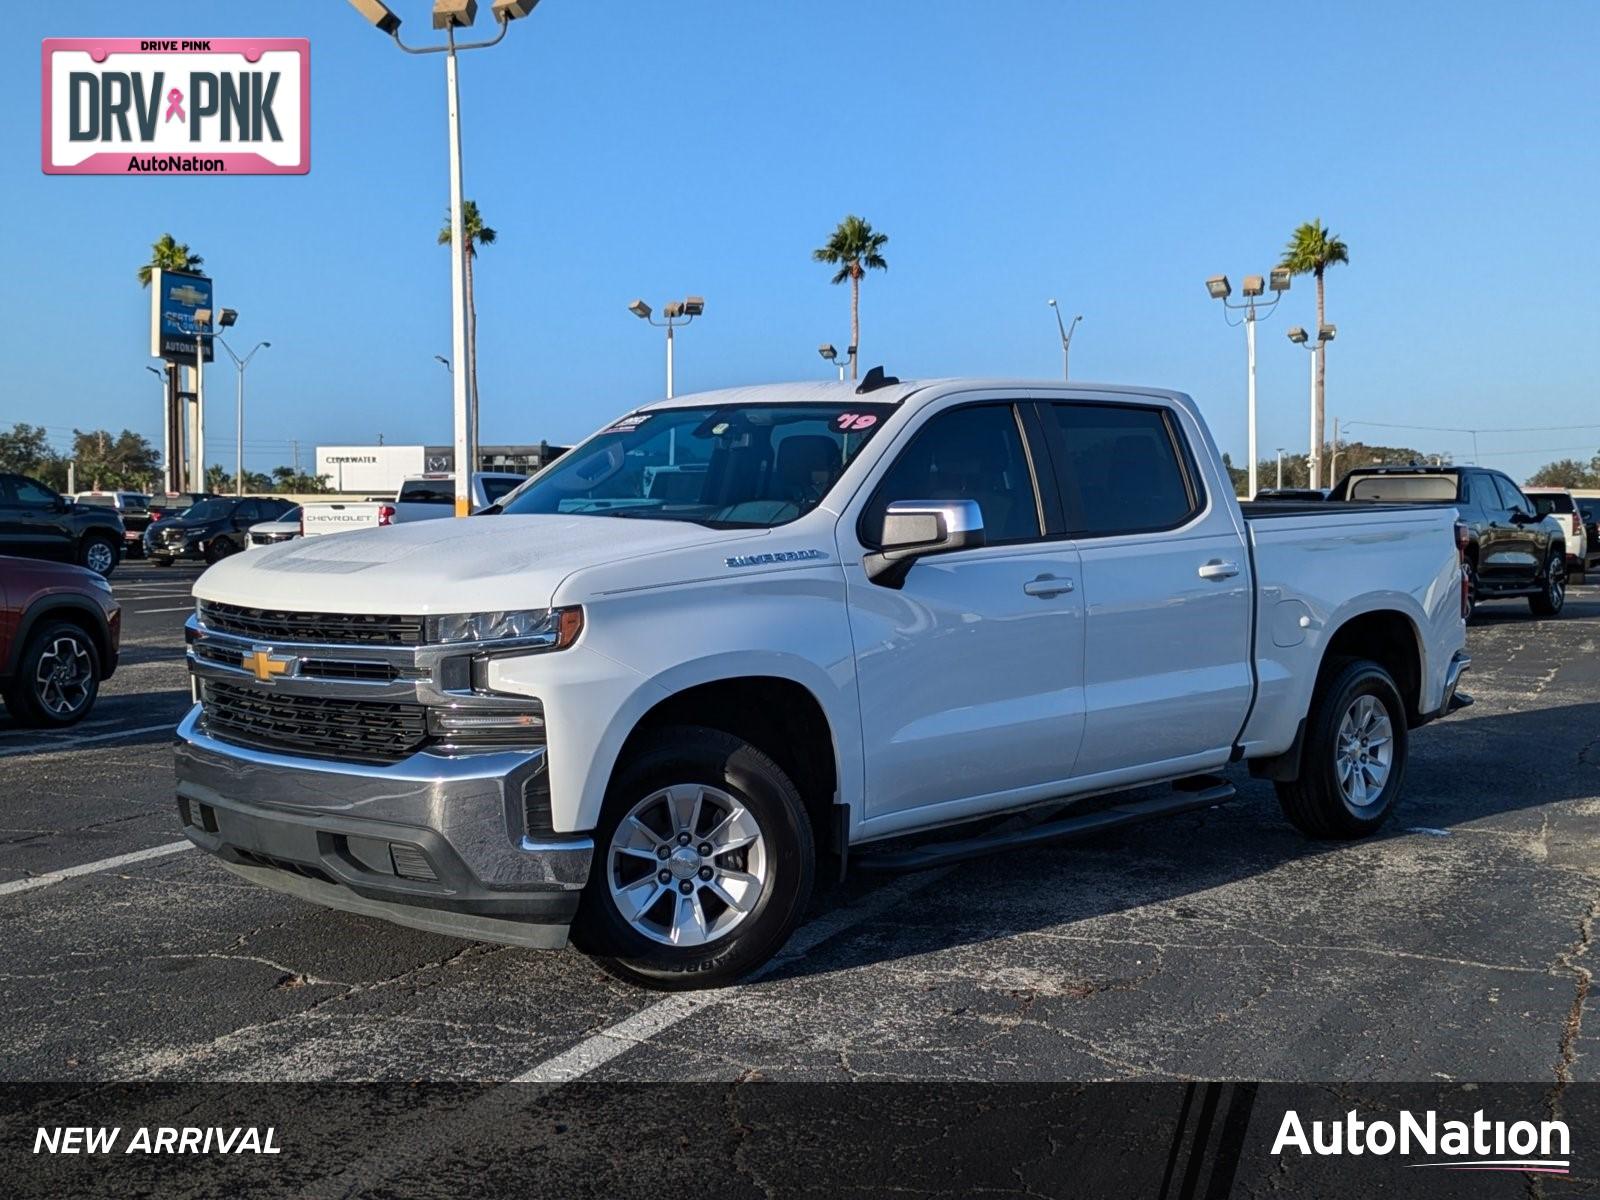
33, 495
1511, 498
750, 466
1123, 467
974, 453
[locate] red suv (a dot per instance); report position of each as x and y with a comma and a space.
59, 635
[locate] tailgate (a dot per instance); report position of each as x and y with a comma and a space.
318, 519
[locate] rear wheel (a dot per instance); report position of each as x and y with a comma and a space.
1550, 601
1471, 569
703, 864
1353, 763
57, 679
98, 553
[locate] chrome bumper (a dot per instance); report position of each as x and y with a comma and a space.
433, 841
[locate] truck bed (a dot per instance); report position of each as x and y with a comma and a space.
1264, 510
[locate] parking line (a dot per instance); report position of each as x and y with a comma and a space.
70, 743
138, 612
105, 864
600, 1048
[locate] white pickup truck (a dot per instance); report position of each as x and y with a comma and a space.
421, 498
733, 632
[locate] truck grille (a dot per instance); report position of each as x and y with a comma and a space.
313, 726
351, 629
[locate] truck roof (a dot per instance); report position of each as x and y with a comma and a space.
827, 391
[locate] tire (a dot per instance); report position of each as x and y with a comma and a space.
1356, 694
57, 679
1553, 598
219, 549
672, 771
98, 553
1471, 567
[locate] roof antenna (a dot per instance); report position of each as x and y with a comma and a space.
875, 379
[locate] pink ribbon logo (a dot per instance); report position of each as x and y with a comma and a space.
175, 106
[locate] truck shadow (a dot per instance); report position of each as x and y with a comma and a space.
1460, 773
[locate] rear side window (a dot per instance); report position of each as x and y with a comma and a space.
1121, 469
428, 491
972, 453
1545, 503
493, 489
1403, 489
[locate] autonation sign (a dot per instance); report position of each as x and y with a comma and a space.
165, 106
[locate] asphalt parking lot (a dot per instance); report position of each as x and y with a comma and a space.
1217, 945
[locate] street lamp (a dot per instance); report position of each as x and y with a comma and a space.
674, 313
1218, 288
828, 352
202, 330
449, 15
238, 410
1066, 335
1325, 334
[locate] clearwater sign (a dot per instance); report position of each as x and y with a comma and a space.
164, 106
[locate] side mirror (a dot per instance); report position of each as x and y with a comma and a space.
62, 504
914, 529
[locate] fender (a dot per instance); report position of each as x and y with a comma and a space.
52, 604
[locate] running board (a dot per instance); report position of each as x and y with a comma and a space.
1200, 791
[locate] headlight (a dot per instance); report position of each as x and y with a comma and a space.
546, 628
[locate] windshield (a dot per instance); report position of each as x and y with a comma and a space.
738, 467
209, 510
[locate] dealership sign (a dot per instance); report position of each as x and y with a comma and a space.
165, 106
175, 298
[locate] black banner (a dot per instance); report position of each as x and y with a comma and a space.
1170, 1141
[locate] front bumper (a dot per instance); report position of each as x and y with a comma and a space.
434, 841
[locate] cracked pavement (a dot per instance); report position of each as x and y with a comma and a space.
1217, 945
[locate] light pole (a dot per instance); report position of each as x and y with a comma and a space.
1280, 468
1325, 334
238, 410
166, 423
447, 15
1066, 335
202, 330
674, 312
1220, 289
831, 355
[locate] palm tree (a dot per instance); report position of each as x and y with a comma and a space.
1311, 251
169, 255
474, 233
855, 250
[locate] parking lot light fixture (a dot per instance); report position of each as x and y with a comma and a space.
1280, 277
512, 10
457, 13
1297, 335
1326, 333
831, 355
826, 350
1254, 287
378, 13
673, 313
448, 15
239, 364
1066, 332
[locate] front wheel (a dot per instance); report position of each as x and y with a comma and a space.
219, 549
704, 862
1550, 601
57, 679
1353, 763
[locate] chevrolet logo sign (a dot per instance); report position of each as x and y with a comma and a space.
265, 667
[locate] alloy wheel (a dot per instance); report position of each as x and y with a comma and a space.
64, 677
687, 865
99, 558
1365, 751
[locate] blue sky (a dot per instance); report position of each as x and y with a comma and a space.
1111, 155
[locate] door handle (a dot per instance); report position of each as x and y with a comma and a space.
1047, 586
1217, 569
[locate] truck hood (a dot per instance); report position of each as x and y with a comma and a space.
482, 564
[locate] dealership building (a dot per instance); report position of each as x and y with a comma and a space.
379, 470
